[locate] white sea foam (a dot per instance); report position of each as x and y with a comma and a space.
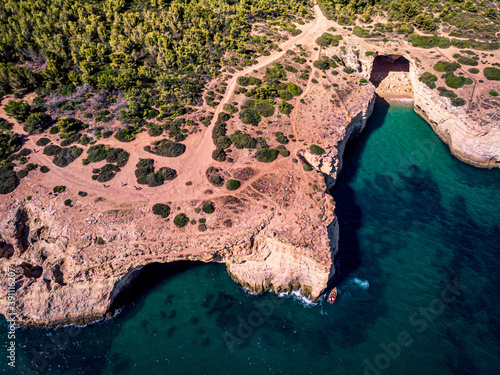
363, 284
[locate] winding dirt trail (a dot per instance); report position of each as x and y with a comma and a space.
191, 166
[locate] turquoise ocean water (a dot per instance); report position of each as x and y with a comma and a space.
418, 281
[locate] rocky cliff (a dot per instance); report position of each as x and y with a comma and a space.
475, 141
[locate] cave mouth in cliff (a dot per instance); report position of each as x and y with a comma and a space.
383, 64
148, 278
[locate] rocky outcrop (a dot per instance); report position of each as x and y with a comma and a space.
467, 140
471, 142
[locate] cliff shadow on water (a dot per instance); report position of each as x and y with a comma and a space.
349, 214
148, 278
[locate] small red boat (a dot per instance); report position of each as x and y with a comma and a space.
332, 296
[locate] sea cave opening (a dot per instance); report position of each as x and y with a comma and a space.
145, 279
384, 64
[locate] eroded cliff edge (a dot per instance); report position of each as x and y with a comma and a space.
277, 232
471, 131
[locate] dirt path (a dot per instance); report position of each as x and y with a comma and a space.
190, 166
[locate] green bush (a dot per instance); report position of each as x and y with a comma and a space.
162, 210
59, 189
283, 151
233, 184
285, 108
464, 60
167, 173
473, 70
208, 208
44, 169
107, 172
369, 53
63, 156
181, 220
223, 142
18, 109
229, 108
118, 156
202, 227
22, 173
54, 130
446, 93
457, 102
243, 140
216, 180
456, 82
307, 168
429, 79
492, 74
328, 39
42, 142
155, 131
8, 179
96, 153
219, 155
68, 202
127, 134
281, 138
266, 155
249, 116
293, 89
36, 123
9, 143
166, 148
317, 150
444, 66
349, 70
360, 32
69, 126
154, 179
493, 93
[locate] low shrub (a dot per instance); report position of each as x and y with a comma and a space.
107, 172
349, 70
162, 210
328, 39
208, 208
44, 169
307, 168
444, 66
233, 184
456, 82
82, 194
283, 151
22, 173
127, 134
429, 79
473, 70
202, 227
59, 189
219, 155
266, 155
8, 179
166, 148
68, 202
181, 220
281, 138
285, 108
492, 74
167, 173
317, 150
42, 142
464, 60
458, 102
118, 156
229, 108
493, 93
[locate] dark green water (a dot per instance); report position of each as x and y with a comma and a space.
411, 218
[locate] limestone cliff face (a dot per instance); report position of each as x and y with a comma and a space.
467, 139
